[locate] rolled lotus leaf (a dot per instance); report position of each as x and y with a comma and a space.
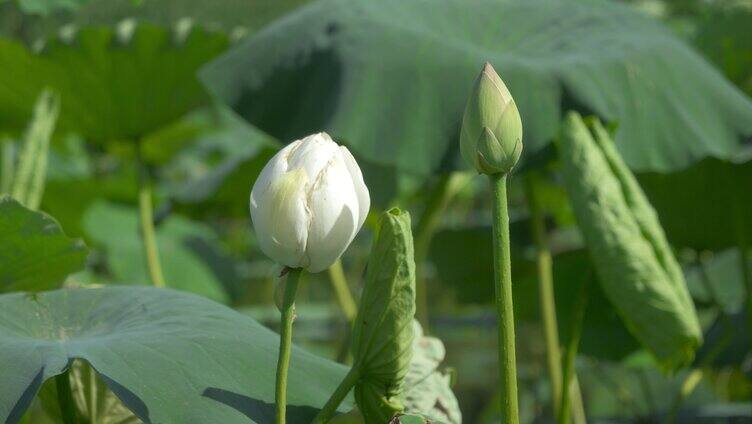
634, 263
383, 330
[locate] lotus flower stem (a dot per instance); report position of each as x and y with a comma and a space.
65, 398
328, 411
285, 341
147, 222
504, 304
342, 291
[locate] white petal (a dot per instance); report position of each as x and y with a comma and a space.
273, 169
280, 216
364, 198
312, 154
334, 208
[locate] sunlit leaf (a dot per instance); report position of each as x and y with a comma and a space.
391, 78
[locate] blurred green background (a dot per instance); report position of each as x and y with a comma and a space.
204, 92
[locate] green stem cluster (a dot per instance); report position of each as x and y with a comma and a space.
285, 342
504, 304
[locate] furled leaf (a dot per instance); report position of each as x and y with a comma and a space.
185, 249
632, 258
170, 357
34, 252
392, 77
429, 391
29, 181
113, 84
383, 332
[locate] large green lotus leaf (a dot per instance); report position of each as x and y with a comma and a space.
392, 78
34, 252
170, 357
113, 84
185, 249
705, 206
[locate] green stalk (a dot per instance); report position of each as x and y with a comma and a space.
505, 310
8, 167
545, 293
342, 291
328, 411
65, 398
285, 341
570, 354
148, 235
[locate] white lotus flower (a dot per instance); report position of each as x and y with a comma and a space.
308, 203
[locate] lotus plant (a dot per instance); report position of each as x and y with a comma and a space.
491, 142
307, 205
